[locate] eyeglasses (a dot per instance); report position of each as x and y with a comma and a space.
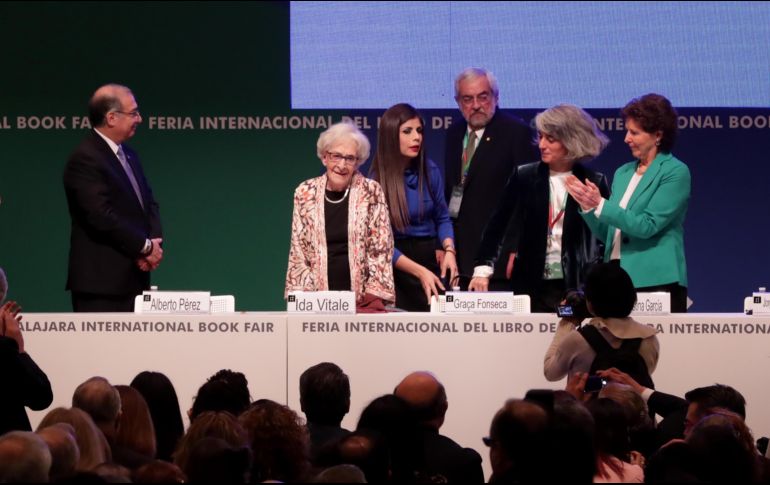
133, 114
481, 98
339, 157
488, 441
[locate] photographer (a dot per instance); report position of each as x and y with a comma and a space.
22, 383
609, 297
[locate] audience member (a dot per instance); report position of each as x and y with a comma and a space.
723, 449
368, 450
444, 460
93, 447
517, 443
341, 474
135, 429
24, 457
324, 396
214, 460
613, 447
113, 473
63, 445
393, 419
162, 400
101, 400
224, 391
279, 442
641, 428
159, 471
211, 424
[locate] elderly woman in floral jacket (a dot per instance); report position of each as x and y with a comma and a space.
341, 238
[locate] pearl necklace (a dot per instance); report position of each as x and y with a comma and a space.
337, 201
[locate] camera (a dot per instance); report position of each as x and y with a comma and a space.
574, 306
594, 384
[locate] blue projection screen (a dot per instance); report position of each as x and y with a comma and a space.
369, 55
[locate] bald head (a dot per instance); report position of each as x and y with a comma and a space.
426, 395
65, 453
99, 399
24, 457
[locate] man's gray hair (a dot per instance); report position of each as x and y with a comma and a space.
575, 129
472, 73
24, 457
344, 131
99, 399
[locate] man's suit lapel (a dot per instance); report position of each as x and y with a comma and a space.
114, 166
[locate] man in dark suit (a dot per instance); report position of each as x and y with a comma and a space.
324, 396
444, 461
116, 233
481, 152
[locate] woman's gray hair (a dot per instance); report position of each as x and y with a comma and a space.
471, 73
344, 131
575, 129
3, 286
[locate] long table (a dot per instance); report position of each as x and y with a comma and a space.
481, 359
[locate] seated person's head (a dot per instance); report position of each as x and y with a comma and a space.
224, 391
324, 394
609, 291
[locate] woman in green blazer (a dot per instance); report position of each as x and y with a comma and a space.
642, 223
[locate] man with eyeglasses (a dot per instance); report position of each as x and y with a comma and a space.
481, 152
116, 232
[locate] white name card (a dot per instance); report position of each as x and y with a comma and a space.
321, 302
478, 302
655, 303
758, 303
176, 302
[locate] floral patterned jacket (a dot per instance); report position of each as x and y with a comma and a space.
370, 240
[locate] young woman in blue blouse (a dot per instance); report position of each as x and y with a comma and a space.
413, 188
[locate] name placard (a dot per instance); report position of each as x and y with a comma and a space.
321, 302
175, 302
478, 302
655, 303
758, 303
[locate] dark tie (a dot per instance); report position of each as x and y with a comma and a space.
130, 173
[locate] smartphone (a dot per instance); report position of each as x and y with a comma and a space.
565, 311
594, 384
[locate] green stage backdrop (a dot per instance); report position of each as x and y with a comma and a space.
224, 188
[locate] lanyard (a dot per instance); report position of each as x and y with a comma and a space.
551, 202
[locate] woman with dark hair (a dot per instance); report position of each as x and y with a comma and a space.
413, 188
642, 223
610, 297
538, 220
161, 398
613, 446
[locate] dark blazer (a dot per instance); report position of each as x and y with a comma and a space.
521, 223
447, 462
507, 142
109, 226
22, 384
